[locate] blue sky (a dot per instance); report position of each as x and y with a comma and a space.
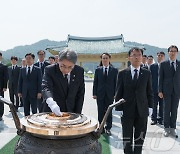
155, 22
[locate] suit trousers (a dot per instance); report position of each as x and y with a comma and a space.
133, 128
171, 103
1, 104
102, 104
157, 102
13, 92
28, 101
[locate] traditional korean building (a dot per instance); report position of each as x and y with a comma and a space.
89, 49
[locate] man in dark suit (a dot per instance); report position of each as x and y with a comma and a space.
29, 85
150, 61
157, 116
144, 62
169, 89
135, 86
3, 84
63, 85
41, 64
41, 61
13, 76
23, 64
104, 88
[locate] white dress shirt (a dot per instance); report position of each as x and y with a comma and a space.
31, 67
133, 72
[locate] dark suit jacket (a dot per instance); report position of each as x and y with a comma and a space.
100, 87
168, 82
154, 68
30, 84
140, 95
42, 68
53, 86
3, 76
13, 76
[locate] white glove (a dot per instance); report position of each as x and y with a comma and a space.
53, 106
150, 112
121, 113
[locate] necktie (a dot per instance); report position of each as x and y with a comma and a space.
41, 65
135, 75
172, 68
12, 70
29, 71
13, 67
66, 83
105, 73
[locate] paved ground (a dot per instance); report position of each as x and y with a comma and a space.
155, 142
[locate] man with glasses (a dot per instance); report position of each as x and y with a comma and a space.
63, 85
41, 64
41, 60
135, 86
169, 90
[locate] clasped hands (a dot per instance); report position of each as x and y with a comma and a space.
53, 106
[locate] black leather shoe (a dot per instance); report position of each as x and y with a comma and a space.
108, 132
153, 123
1, 119
173, 132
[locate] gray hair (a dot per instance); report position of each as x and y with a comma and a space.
69, 55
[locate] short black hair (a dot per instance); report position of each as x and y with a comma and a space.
173, 46
14, 57
135, 48
150, 56
145, 56
105, 53
161, 52
51, 57
40, 51
30, 54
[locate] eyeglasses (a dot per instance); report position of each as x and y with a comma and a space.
65, 67
173, 51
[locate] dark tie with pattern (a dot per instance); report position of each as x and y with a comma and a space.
172, 68
135, 75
